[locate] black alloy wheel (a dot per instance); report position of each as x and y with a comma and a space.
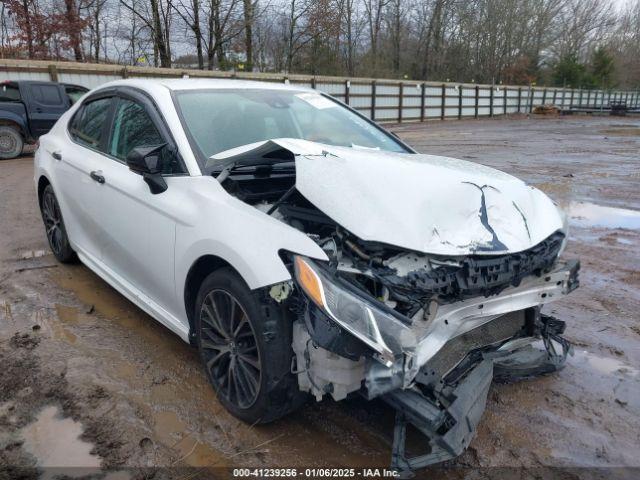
230, 350
54, 227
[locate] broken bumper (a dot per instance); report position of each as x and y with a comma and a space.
443, 366
445, 339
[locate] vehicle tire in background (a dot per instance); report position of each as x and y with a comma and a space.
245, 346
54, 227
11, 142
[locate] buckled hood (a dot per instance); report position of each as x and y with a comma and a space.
425, 203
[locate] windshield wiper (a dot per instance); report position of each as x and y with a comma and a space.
225, 172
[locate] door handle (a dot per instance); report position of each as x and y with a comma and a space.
56, 155
97, 176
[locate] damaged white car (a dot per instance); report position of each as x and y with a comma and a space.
305, 250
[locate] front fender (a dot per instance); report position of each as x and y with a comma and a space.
246, 238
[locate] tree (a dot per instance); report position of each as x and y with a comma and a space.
190, 14
249, 10
158, 21
569, 72
602, 67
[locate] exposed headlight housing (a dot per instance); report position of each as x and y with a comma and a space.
380, 331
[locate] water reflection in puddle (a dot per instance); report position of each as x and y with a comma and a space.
585, 214
604, 365
55, 442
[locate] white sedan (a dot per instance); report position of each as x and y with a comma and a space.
305, 250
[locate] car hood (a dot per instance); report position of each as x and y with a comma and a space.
425, 203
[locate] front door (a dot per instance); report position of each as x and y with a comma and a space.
137, 227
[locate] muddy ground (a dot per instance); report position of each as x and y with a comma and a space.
87, 379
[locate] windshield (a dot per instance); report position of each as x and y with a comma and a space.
221, 119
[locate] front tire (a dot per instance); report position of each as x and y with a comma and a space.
54, 227
11, 143
244, 342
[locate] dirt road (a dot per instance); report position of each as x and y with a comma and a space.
87, 379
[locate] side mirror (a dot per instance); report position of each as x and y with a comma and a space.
146, 161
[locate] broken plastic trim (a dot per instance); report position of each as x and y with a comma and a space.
449, 430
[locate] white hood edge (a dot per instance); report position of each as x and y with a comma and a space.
425, 203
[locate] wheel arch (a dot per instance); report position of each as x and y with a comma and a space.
43, 181
10, 119
199, 270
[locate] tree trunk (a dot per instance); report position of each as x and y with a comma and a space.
160, 47
197, 32
96, 23
248, 33
74, 30
28, 28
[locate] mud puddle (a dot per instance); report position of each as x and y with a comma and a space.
55, 442
603, 365
588, 215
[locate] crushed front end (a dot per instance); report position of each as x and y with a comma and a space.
426, 334
446, 298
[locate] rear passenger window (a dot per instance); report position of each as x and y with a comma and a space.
9, 92
47, 94
87, 124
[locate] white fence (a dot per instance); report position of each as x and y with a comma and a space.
380, 100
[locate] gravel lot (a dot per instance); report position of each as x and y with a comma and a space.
88, 379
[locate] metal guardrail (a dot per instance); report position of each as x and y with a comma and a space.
383, 100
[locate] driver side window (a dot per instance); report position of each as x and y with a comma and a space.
132, 128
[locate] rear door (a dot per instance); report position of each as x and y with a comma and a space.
46, 102
78, 169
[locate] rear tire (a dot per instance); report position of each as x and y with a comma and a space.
54, 227
11, 142
244, 340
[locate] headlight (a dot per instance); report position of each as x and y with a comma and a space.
380, 331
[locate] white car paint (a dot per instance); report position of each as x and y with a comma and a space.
426, 203
144, 244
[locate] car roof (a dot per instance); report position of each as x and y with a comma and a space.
178, 84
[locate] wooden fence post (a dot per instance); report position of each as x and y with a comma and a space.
313, 82
423, 88
477, 101
544, 96
347, 88
532, 96
504, 101
373, 100
53, 73
400, 101
519, 98
491, 101
460, 102
443, 99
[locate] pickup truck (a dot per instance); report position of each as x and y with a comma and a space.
28, 109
